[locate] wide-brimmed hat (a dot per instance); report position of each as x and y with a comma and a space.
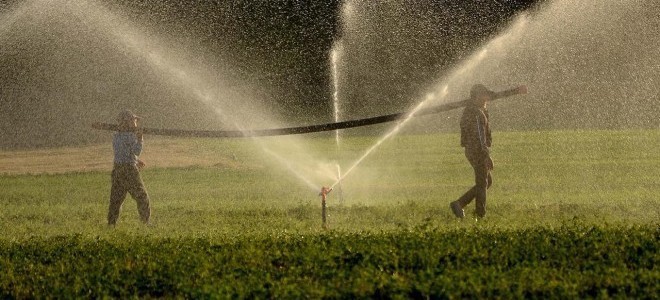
127, 115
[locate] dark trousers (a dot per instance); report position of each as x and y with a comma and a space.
482, 181
126, 179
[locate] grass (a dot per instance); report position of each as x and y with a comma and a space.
587, 190
540, 178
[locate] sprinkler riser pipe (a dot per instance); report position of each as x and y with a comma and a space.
324, 215
324, 193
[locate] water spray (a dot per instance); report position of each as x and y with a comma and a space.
334, 60
340, 191
324, 193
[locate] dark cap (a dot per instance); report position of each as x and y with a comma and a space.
479, 89
126, 115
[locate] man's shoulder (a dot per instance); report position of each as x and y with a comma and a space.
471, 110
122, 135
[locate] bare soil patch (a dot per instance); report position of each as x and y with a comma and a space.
157, 153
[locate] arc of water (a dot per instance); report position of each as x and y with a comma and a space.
336, 51
454, 76
14, 13
128, 38
335, 55
375, 146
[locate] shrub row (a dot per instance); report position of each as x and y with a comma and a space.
567, 262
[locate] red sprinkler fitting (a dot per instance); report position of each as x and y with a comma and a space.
324, 192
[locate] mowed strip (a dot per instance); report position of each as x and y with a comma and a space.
158, 153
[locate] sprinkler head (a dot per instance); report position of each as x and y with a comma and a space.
324, 191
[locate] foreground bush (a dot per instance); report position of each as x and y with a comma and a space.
568, 262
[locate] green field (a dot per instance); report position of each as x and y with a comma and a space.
571, 214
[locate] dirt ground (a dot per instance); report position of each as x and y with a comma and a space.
158, 153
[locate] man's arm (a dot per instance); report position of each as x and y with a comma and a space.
481, 132
137, 145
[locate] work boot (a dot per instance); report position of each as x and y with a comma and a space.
457, 209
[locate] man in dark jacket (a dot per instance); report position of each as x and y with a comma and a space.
476, 139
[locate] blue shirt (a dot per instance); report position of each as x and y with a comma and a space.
127, 148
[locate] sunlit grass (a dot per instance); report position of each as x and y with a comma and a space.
541, 178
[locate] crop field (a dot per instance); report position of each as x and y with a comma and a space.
571, 214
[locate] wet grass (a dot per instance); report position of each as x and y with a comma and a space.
540, 178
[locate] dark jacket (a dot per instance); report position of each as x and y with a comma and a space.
475, 130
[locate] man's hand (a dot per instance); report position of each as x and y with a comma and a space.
139, 134
522, 89
489, 163
140, 164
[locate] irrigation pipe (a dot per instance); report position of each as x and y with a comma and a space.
301, 129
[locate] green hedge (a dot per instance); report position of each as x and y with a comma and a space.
566, 262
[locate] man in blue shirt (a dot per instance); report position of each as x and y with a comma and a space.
127, 146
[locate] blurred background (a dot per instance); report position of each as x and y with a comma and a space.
240, 64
